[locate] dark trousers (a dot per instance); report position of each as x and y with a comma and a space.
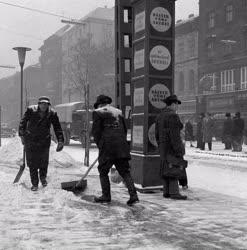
38, 164
170, 185
209, 146
183, 181
123, 168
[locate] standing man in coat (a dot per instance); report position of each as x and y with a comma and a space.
189, 132
207, 131
109, 132
227, 132
34, 130
237, 132
167, 134
199, 134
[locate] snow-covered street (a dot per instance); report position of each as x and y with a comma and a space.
214, 216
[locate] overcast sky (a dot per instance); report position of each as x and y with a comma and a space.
20, 27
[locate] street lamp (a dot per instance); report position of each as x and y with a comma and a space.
21, 55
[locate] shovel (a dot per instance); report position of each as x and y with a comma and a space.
80, 185
22, 167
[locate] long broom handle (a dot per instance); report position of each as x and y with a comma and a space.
87, 172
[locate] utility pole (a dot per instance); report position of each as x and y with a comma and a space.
86, 88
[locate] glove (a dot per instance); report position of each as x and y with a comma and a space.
59, 146
22, 140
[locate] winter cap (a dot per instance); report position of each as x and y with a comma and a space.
228, 114
172, 99
237, 114
44, 99
102, 99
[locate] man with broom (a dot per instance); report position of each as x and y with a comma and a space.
34, 130
109, 132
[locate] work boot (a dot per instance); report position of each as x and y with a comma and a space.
102, 199
132, 200
178, 197
44, 183
132, 190
34, 188
106, 190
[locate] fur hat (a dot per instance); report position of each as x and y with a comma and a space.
172, 99
44, 99
102, 99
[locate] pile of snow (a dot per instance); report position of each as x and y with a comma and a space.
12, 153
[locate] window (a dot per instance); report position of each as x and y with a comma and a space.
181, 51
127, 15
210, 49
211, 20
127, 65
229, 13
227, 80
245, 40
191, 47
244, 3
127, 41
243, 78
191, 80
181, 82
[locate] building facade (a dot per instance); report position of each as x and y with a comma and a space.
88, 55
51, 65
222, 57
186, 65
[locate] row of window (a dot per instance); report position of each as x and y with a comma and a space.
228, 16
227, 80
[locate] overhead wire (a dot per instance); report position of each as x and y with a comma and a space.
34, 10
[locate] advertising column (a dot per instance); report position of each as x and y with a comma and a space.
152, 81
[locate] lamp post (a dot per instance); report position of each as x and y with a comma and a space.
21, 55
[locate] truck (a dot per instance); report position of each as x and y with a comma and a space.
72, 117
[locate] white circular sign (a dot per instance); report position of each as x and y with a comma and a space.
160, 19
160, 57
151, 135
157, 94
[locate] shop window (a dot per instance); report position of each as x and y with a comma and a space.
210, 49
229, 13
227, 80
243, 77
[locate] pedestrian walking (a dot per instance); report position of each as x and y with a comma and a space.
34, 130
237, 132
227, 132
207, 131
109, 132
199, 134
189, 132
167, 133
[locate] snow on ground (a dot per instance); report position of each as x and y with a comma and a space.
214, 217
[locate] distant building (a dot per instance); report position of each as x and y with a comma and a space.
186, 64
78, 43
51, 66
222, 56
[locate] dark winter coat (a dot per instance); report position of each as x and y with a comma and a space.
207, 129
237, 126
109, 132
167, 134
188, 131
227, 127
36, 129
199, 133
